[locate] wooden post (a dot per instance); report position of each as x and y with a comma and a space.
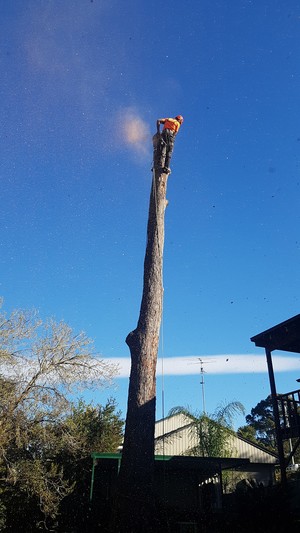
276, 417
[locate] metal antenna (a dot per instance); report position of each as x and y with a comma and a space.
202, 382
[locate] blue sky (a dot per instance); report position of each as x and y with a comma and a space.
82, 84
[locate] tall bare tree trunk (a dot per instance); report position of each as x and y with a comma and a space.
135, 499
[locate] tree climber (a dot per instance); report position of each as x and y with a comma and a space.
169, 132
171, 128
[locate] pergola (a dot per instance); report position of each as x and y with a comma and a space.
284, 337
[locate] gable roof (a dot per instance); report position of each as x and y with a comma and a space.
176, 435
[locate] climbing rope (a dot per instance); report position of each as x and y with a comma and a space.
164, 484
162, 323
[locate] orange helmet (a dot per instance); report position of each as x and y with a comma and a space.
179, 118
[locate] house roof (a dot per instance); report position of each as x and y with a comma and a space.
174, 437
179, 462
285, 336
208, 464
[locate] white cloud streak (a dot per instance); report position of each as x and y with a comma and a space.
216, 364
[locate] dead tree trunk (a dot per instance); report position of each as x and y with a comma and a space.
135, 482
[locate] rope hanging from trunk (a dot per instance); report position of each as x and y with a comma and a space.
162, 330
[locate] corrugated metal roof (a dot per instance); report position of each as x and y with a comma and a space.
182, 438
171, 423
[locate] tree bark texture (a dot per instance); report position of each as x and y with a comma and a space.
135, 482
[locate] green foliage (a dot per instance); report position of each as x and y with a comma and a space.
46, 468
99, 428
248, 432
86, 429
261, 420
45, 440
260, 428
212, 431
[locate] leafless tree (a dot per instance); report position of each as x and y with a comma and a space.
135, 499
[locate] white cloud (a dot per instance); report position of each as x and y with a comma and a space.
216, 364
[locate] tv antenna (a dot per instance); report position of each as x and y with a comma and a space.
201, 362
